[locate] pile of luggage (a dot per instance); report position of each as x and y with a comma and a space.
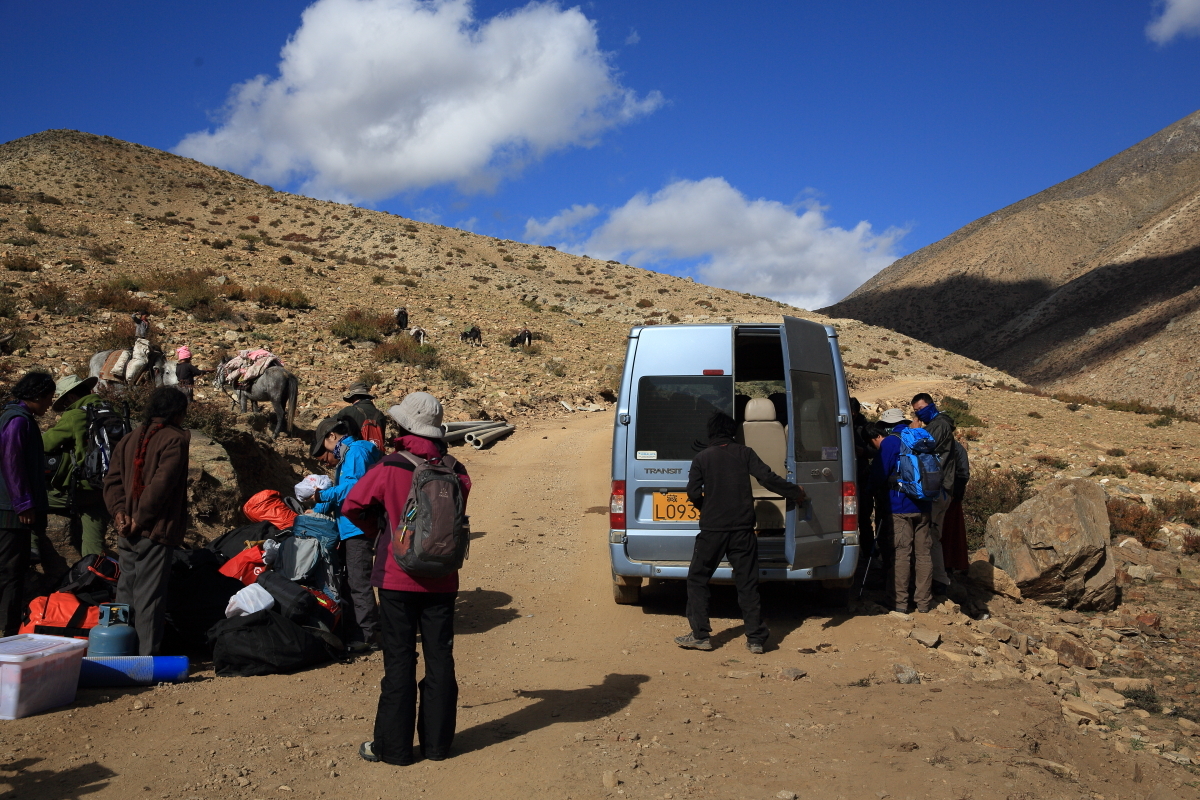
264, 596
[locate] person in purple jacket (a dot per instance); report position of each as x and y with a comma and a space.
23, 501
903, 520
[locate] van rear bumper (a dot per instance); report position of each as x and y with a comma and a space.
678, 570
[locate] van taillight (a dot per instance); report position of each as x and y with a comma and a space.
849, 506
616, 506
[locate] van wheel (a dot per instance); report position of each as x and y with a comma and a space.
837, 593
626, 590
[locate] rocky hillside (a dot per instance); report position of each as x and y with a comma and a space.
1091, 286
92, 226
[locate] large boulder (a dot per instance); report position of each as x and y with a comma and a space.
1056, 547
214, 492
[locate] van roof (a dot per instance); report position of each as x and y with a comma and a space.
711, 325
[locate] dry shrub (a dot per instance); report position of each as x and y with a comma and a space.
1115, 470
280, 298
456, 377
1053, 462
115, 296
53, 297
1191, 544
1183, 508
960, 411
178, 280
364, 326
1150, 468
104, 253
19, 262
405, 350
215, 419
992, 491
8, 305
120, 335
1127, 518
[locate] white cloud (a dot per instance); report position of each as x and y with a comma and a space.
633, 37
789, 253
375, 97
560, 223
1175, 17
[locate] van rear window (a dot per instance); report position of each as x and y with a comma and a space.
815, 413
673, 411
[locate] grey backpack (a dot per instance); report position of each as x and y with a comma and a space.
433, 537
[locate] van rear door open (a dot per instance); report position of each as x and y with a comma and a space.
680, 376
818, 446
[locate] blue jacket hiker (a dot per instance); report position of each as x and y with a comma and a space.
333, 444
904, 524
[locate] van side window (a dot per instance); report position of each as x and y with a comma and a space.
814, 415
672, 413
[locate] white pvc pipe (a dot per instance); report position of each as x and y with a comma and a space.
479, 441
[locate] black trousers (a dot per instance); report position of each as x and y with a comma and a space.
15, 546
145, 574
397, 718
359, 552
741, 548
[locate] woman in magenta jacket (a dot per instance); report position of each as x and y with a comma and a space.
407, 603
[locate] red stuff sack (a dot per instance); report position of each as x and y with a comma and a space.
372, 431
246, 566
60, 614
268, 506
330, 612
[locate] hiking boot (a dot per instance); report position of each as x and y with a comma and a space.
755, 647
692, 643
366, 751
358, 648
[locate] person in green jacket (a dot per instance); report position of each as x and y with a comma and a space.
88, 515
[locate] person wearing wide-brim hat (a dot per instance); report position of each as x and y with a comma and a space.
67, 441
409, 604
360, 410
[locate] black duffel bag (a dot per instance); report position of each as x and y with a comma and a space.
230, 543
265, 643
293, 600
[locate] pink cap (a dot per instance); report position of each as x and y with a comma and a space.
183, 353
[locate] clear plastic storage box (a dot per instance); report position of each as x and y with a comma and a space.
38, 672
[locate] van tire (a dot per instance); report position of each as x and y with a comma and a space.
837, 593
626, 590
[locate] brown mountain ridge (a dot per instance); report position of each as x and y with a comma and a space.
1090, 287
87, 213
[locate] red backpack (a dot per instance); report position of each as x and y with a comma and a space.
372, 431
60, 614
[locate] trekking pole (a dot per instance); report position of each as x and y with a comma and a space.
874, 549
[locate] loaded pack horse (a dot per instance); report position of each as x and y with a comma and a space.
161, 372
277, 386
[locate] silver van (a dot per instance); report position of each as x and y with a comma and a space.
785, 386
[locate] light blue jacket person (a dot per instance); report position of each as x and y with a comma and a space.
353, 458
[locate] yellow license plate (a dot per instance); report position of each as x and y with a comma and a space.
674, 507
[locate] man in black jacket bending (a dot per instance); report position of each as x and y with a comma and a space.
719, 485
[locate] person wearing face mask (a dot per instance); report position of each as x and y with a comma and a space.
335, 446
941, 427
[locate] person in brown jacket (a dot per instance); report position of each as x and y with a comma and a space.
146, 493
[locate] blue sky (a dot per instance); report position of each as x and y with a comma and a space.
787, 149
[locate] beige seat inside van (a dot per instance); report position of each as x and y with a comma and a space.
767, 437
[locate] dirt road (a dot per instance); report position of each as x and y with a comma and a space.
566, 695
